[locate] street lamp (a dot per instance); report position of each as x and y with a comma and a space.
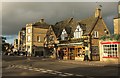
106, 32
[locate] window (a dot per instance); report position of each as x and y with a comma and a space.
38, 38
110, 50
28, 30
78, 32
28, 38
64, 35
79, 52
96, 35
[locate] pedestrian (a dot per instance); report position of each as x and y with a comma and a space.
26, 53
86, 58
59, 54
62, 54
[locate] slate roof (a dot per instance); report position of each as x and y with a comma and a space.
23, 28
70, 25
89, 23
43, 25
67, 24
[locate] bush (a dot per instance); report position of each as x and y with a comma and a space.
116, 37
112, 37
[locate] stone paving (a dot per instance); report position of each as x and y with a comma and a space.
92, 63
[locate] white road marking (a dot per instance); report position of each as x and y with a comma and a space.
24, 68
78, 75
49, 70
68, 74
20, 67
30, 69
41, 69
44, 70
57, 72
62, 75
53, 73
37, 70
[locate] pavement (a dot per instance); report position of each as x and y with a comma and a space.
92, 63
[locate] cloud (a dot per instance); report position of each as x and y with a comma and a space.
60, 1
16, 15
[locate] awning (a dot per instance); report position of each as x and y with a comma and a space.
70, 44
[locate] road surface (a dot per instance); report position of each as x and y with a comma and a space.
20, 66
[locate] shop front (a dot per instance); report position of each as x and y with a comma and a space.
109, 51
73, 52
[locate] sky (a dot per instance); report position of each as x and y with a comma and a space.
16, 15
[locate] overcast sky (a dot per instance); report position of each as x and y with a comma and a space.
16, 15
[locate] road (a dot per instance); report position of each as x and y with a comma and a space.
36, 66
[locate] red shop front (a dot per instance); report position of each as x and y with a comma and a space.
109, 51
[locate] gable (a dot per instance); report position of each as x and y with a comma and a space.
89, 23
101, 28
78, 28
50, 32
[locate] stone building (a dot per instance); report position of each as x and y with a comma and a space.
110, 45
50, 43
77, 37
15, 45
22, 40
35, 34
117, 22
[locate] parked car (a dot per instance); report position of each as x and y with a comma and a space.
21, 53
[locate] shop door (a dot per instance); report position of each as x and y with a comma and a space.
71, 53
95, 53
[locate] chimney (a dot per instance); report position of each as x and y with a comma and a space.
98, 12
42, 20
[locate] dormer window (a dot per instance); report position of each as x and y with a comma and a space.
64, 35
78, 32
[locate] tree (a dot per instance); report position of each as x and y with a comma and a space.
3, 39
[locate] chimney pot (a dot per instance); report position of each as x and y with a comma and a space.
42, 20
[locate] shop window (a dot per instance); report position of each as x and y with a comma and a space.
80, 52
110, 50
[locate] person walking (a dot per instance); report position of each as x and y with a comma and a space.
86, 58
26, 53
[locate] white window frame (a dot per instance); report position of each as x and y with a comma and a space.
28, 30
110, 50
78, 32
28, 38
64, 34
96, 34
38, 38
